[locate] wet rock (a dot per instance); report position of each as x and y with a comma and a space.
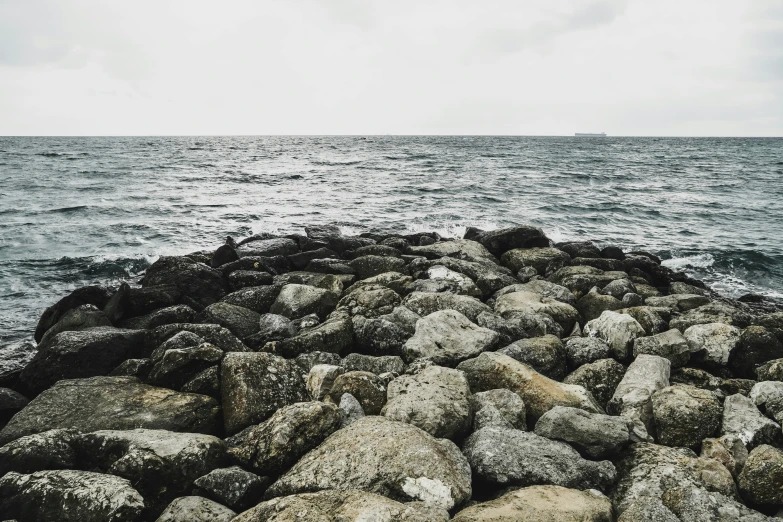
425, 304
585, 350
593, 304
206, 382
542, 504
295, 301
76, 354
684, 415
178, 366
200, 284
712, 343
224, 254
633, 397
343, 506
462, 249
255, 385
502, 240
435, 400
279, 246
546, 355
715, 312
529, 302
506, 457
276, 444
335, 335
239, 279
372, 265
160, 317
382, 456
729, 450
619, 331
242, 322
68, 496
257, 298
500, 407
97, 296
370, 301
447, 337
77, 319
10, 402
600, 378
196, 509
350, 410
13, 358
761, 479
743, 419
211, 333
233, 487
273, 265
579, 248
320, 380
366, 387
540, 394
53, 449
670, 345
544, 259
593, 434
757, 346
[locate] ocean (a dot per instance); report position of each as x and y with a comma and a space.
83, 210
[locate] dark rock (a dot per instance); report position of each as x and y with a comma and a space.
600, 378
242, 322
499, 407
139, 368
330, 267
366, 387
373, 265
178, 366
13, 358
53, 449
306, 361
200, 283
211, 333
335, 335
715, 312
585, 350
195, 509
376, 365
257, 298
593, 304
500, 241
761, 479
168, 315
89, 295
593, 434
579, 248
269, 247
206, 382
302, 259
757, 345
544, 260
295, 301
427, 303
274, 265
80, 318
240, 279
224, 254
236, 488
689, 502
463, 249
546, 355
144, 301
612, 252
684, 415
379, 336
10, 402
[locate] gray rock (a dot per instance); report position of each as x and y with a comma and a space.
211, 333
234, 487
278, 246
255, 385
370, 301
669, 345
277, 443
761, 479
529, 302
766, 393
698, 505
647, 509
379, 336
507, 457
350, 410
257, 298
295, 301
684, 415
488, 276
68, 496
435, 400
424, 304
460, 283
320, 380
600, 378
306, 361
241, 321
160, 317
500, 407
382, 456
463, 249
196, 509
376, 365
544, 354
619, 331
198, 283
715, 312
519, 326
541, 287
447, 337
595, 435
770, 371
179, 341
206, 382
619, 288
633, 397
580, 279
649, 319
678, 302
630, 300
77, 319
543, 259
393, 280
239, 279
729, 450
593, 304
273, 327
366, 387
743, 419
585, 350
757, 346
369, 266
53, 449
13, 358
334, 335
712, 343
178, 366
502, 240
91, 295
10, 402
118, 403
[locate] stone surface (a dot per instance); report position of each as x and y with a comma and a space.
712, 343
350, 410
743, 419
595, 435
372, 265
195, 509
233, 487
424, 303
88, 295
670, 345
729, 450
295, 301
255, 385
619, 331
600, 378
198, 283
502, 240
633, 396
13, 358
241, 321
585, 350
698, 505
761, 479
447, 337
499, 407
544, 354
507, 457
684, 415
211, 333
460, 248
117, 403
257, 298
80, 318
594, 303
437, 400
757, 345
382, 456
542, 259
277, 443
53, 449
647, 509
370, 301
526, 302
335, 335
320, 380
366, 387
376, 365
178, 366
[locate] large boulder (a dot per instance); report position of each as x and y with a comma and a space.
502, 240
463, 249
177, 366
212, 333
743, 419
277, 443
593, 304
257, 298
540, 394
757, 345
669, 345
541, 287
435, 400
341, 506
335, 335
113, 403
525, 302
712, 343
255, 385
370, 301
80, 318
160, 317
543, 259
633, 396
366, 387
77, 354
593, 434
541, 504
425, 303
715, 312
498, 407
242, 321
761, 479
97, 296
373, 265
619, 331
585, 350
488, 276
195, 509
696, 504
13, 359
447, 337
234, 487
295, 301
278, 246
600, 378
382, 456
684, 415
53, 449
68, 496
507, 457
544, 354
199, 284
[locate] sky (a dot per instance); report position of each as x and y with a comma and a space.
527, 67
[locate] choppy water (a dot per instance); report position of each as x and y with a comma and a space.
80, 210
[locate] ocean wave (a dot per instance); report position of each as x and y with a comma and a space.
694, 261
335, 163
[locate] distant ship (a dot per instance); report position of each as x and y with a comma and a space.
599, 134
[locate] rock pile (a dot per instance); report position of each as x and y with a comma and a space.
396, 378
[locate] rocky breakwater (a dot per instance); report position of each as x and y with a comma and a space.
387, 377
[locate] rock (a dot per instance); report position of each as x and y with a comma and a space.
139, 368
234, 487
425, 304
13, 358
684, 415
540, 394
670, 345
463, 249
502, 240
729, 450
376, 365
392, 280
200, 284
53, 449
695, 504
579, 248
335, 335
278, 246
274, 265
160, 317
648, 318
447, 337
459, 283
600, 378
678, 302
593, 434
118, 403
178, 341
500, 407
370, 301
295, 301
712, 343
224, 254
320, 380
350, 410
160, 464
435, 400
76, 354
196, 509
488, 276
206, 382
239, 279
619, 331
715, 312
211, 333
144, 301
255, 385
242, 322
372, 265
528, 302
342, 506
743, 419
585, 350
97, 296
766, 393
366, 387
632, 300
618, 288
258, 298
307, 361
273, 327
77, 319
647, 471
10, 402
770, 371
542, 504
580, 279
546, 355
379, 336
382, 456
380, 250
633, 397
178, 366
593, 304
761, 479
757, 346
541, 287
544, 259
506, 457
68, 496
276, 444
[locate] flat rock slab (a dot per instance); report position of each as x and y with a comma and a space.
118, 403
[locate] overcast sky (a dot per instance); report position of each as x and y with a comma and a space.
627, 67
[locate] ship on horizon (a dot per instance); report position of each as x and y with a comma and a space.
582, 134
